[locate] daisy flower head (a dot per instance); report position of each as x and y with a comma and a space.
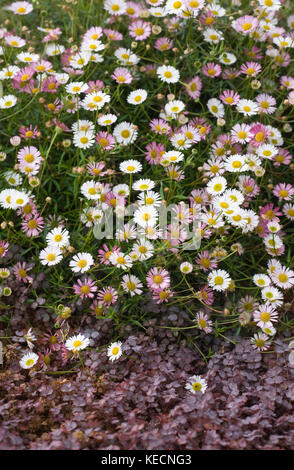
107, 119
83, 140
247, 107
143, 185
261, 280
158, 279
265, 315
260, 341
267, 151
125, 133
122, 76
146, 216
203, 323
20, 8
115, 7
219, 280
272, 295
114, 351
216, 185
28, 360
77, 343
137, 96
76, 88
186, 267
168, 74
216, 107
85, 288
139, 30
81, 262
283, 277
50, 256
130, 166
59, 236
8, 101
120, 260
245, 24
196, 384
131, 284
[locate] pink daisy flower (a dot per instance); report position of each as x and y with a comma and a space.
29, 132
107, 296
158, 279
269, 212
85, 288
259, 134
161, 127
193, 87
211, 70
254, 53
266, 103
230, 74
282, 157
104, 253
140, 30
95, 168
20, 270
206, 295
283, 191
154, 153
163, 44
113, 35
3, 248
245, 24
162, 295
33, 226
50, 85
251, 69
205, 261
122, 75
203, 323
105, 140
94, 86
229, 97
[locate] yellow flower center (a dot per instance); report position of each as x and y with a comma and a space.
196, 386
218, 280
82, 263
108, 297
139, 31
125, 133
85, 289
77, 343
246, 26
115, 351
283, 193
283, 277
158, 279
51, 257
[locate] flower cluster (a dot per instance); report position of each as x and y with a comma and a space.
177, 107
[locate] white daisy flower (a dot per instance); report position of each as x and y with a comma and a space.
196, 384
186, 267
247, 107
29, 360
143, 185
146, 216
219, 279
130, 166
120, 260
59, 236
115, 7
50, 256
216, 185
77, 343
75, 88
83, 140
261, 280
168, 74
107, 119
131, 284
81, 262
174, 107
216, 107
8, 101
114, 351
137, 96
125, 133
149, 198
90, 189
